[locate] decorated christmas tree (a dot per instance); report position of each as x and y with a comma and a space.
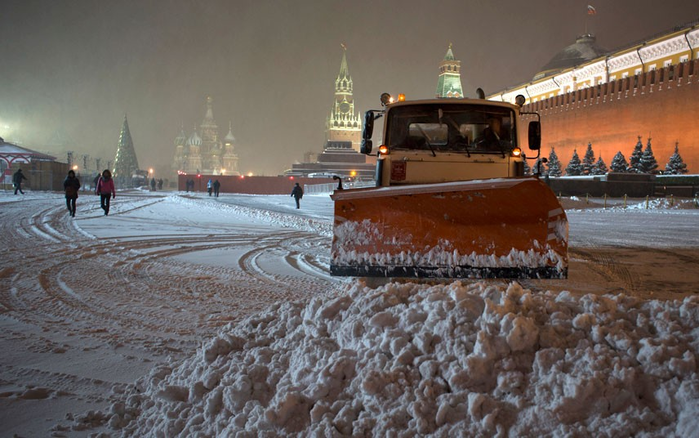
635, 158
676, 166
574, 167
648, 161
588, 161
619, 163
125, 162
554, 164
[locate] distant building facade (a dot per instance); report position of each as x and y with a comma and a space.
42, 171
586, 94
206, 153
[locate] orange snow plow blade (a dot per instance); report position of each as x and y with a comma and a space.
499, 228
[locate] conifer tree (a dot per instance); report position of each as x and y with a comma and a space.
619, 163
554, 164
676, 166
527, 168
574, 167
588, 161
635, 158
648, 161
600, 168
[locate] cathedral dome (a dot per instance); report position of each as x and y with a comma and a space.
181, 138
583, 50
194, 140
229, 137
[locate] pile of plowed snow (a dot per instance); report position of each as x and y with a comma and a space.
476, 359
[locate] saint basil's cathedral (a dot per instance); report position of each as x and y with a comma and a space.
203, 152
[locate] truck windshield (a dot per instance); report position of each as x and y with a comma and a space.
450, 127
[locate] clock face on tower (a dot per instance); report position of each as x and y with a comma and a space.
344, 107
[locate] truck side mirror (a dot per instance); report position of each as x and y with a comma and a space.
535, 135
367, 146
368, 131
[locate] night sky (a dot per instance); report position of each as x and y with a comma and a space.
270, 66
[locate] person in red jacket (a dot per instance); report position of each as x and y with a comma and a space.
105, 188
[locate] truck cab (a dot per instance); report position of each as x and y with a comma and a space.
442, 140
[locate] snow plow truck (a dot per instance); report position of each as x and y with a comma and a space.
451, 197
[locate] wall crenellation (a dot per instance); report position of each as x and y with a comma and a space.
660, 104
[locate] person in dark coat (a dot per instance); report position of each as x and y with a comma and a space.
152, 184
105, 188
217, 187
17, 180
297, 193
71, 185
160, 184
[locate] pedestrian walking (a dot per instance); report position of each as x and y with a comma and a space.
160, 184
297, 193
152, 184
209, 187
17, 180
71, 185
105, 189
217, 186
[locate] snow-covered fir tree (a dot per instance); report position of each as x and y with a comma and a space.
648, 161
619, 163
635, 158
588, 161
600, 168
574, 167
676, 165
554, 164
527, 168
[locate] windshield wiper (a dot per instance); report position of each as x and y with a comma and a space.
427, 140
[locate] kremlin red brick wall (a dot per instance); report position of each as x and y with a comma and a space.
663, 104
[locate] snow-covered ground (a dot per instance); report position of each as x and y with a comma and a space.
184, 315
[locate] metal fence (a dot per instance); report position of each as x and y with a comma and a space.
321, 189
